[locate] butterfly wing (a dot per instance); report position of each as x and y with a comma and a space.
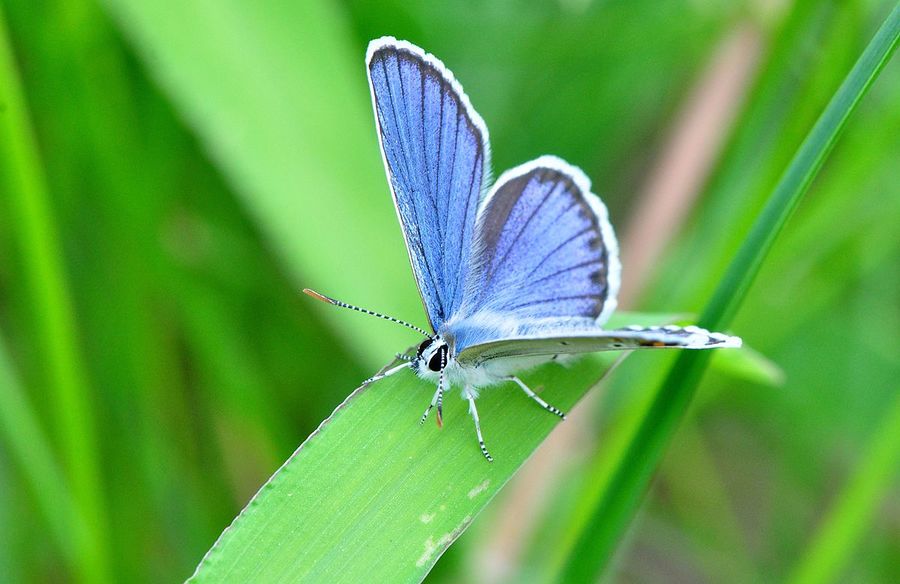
536, 342
544, 249
547, 272
436, 154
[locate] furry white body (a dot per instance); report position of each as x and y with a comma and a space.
474, 377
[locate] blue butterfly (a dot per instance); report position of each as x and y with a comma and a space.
511, 275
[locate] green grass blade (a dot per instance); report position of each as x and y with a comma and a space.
276, 92
596, 539
800, 173
35, 234
373, 497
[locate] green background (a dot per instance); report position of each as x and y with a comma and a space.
173, 172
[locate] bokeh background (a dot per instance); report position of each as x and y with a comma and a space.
173, 172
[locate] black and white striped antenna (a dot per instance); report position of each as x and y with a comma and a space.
328, 300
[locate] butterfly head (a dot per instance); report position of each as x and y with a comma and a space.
432, 356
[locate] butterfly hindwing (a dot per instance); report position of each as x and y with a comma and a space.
544, 247
635, 337
436, 155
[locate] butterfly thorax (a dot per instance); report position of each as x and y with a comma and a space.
436, 356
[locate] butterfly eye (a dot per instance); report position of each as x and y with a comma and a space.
423, 346
438, 359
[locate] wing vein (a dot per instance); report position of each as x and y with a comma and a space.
557, 299
568, 269
424, 254
438, 187
465, 222
434, 198
559, 247
495, 265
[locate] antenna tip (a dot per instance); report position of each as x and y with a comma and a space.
318, 296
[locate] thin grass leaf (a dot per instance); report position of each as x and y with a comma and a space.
849, 518
35, 234
605, 522
371, 496
750, 365
765, 138
779, 114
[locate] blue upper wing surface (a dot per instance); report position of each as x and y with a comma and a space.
436, 154
546, 273
545, 253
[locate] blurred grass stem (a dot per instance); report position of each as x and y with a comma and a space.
36, 238
30, 446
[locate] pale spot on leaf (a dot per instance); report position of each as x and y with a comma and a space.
433, 546
478, 489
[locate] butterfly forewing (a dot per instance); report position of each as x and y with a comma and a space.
436, 155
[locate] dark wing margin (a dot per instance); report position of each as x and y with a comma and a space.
544, 247
437, 157
628, 338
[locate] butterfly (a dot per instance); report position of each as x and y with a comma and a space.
513, 274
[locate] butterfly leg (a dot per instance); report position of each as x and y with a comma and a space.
536, 397
437, 400
474, 411
387, 373
439, 418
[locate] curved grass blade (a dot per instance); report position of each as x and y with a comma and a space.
372, 496
615, 501
276, 92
